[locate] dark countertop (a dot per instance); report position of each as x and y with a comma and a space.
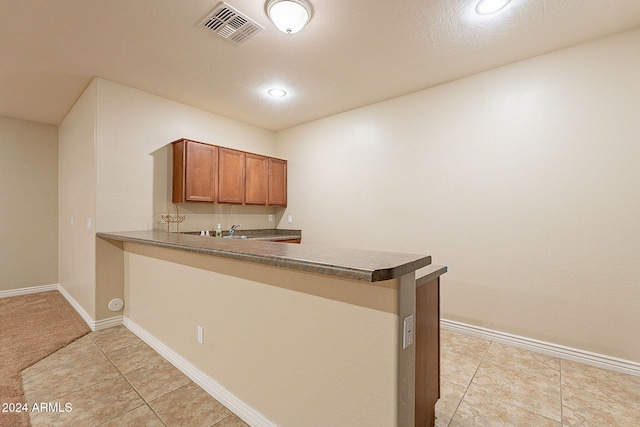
270, 234
351, 264
430, 273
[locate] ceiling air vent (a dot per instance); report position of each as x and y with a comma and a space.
231, 25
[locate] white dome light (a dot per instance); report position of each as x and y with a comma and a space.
486, 7
290, 16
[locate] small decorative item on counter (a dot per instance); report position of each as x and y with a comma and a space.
219, 231
175, 219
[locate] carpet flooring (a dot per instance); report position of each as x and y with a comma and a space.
31, 328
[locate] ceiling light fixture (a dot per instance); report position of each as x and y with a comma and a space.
487, 7
290, 16
278, 93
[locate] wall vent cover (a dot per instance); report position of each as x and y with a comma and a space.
231, 25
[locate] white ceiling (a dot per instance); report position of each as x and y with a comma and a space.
352, 53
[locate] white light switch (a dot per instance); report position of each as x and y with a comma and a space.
407, 337
200, 335
89, 224
290, 219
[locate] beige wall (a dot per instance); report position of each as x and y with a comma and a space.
77, 200
134, 130
115, 169
269, 341
29, 204
133, 188
524, 180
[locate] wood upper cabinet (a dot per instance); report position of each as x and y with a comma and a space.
277, 182
231, 175
256, 182
194, 172
211, 174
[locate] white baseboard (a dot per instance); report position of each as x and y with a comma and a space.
78, 308
550, 349
26, 291
108, 323
93, 324
208, 384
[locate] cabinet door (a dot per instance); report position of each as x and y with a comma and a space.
256, 179
230, 176
277, 182
194, 172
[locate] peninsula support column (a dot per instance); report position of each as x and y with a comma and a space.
406, 356
427, 332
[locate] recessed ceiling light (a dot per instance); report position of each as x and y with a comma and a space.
486, 7
278, 93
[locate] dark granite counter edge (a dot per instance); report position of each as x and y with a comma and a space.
271, 234
275, 238
433, 271
350, 273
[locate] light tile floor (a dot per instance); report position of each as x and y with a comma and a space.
486, 383
112, 378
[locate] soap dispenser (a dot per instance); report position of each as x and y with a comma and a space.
219, 231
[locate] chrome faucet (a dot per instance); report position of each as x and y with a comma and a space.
233, 229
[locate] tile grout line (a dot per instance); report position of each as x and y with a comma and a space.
593, 392
130, 385
513, 405
128, 350
218, 422
470, 381
518, 406
125, 378
457, 406
82, 387
543, 378
482, 360
147, 403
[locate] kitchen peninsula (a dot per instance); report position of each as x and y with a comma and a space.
291, 335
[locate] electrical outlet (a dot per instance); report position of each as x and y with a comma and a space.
290, 219
270, 218
200, 335
89, 224
407, 336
